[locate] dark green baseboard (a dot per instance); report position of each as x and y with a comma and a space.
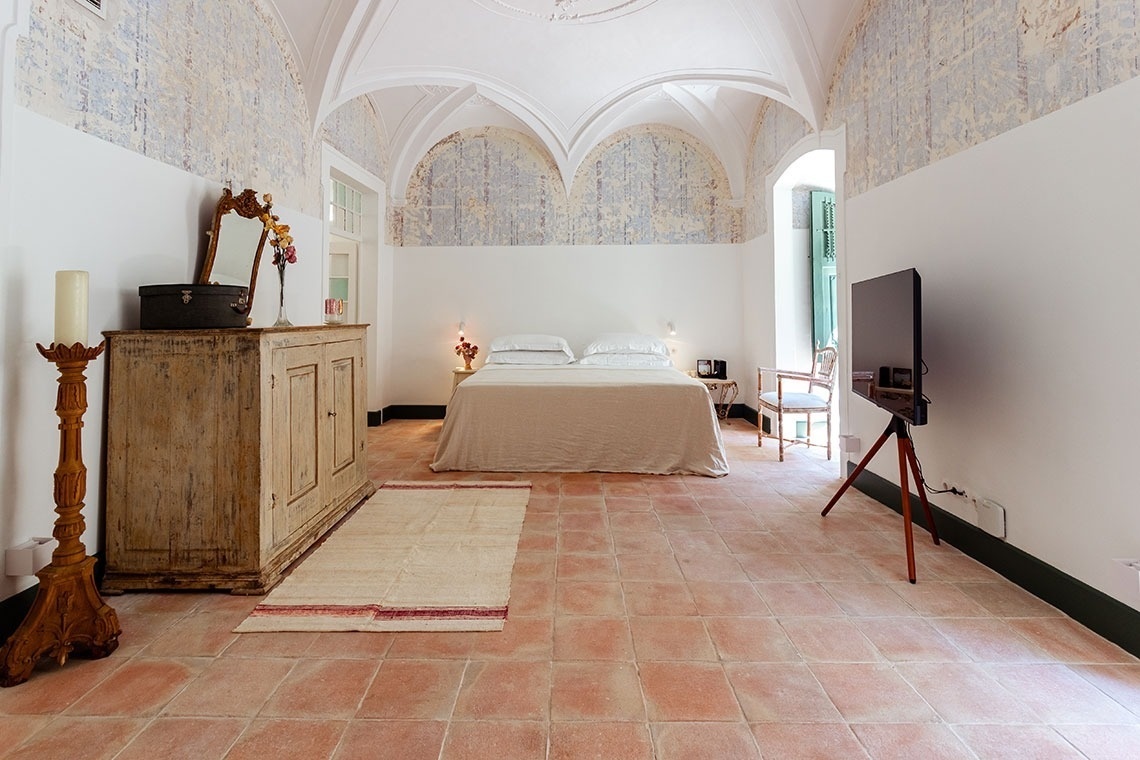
412, 412
437, 411
14, 609
1094, 609
744, 412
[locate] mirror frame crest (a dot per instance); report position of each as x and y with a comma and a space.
245, 205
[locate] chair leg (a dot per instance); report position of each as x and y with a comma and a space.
780, 432
829, 435
760, 427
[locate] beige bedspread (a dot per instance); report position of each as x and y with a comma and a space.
581, 419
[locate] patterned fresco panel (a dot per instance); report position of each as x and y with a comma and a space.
209, 86
487, 186
203, 85
354, 130
495, 186
777, 129
919, 82
651, 184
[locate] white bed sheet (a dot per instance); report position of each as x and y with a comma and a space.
575, 418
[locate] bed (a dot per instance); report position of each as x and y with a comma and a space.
581, 418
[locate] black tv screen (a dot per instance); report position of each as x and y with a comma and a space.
886, 343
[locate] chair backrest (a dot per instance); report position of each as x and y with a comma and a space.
823, 369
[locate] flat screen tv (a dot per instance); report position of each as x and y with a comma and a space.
886, 344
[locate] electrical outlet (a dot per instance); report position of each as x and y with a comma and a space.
991, 517
29, 557
1127, 573
954, 490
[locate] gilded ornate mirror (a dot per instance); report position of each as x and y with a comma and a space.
236, 241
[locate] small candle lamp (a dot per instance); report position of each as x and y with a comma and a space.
68, 614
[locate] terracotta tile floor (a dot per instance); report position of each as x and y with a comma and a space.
651, 617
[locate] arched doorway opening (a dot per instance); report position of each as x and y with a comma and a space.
802, 256
807, 298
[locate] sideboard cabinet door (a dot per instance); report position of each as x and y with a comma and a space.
345, 388
296, 445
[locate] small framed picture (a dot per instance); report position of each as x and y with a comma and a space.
704, 368
901, 378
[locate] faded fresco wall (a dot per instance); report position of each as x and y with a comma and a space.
919, 82
204, 85
354, 130
495, 186
776, 130
801, 205
652, 184
485, 186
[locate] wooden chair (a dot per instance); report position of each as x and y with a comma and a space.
781, 402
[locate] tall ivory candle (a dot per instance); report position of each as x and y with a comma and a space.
70, 307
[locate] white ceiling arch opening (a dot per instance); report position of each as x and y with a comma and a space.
569, 73
709, 111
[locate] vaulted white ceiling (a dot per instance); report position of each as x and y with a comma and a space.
568, 72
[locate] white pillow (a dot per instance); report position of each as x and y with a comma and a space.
528, 342
627, 343
627, 360
528, 357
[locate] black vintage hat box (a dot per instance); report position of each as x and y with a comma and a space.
192, 307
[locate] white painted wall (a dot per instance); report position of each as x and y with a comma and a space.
1029, 277
82, 203
800, 327
573, 291
758, 321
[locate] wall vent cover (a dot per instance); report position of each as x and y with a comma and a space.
95, 6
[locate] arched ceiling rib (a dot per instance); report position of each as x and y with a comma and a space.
568, 72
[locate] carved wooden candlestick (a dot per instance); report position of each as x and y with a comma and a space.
68, 613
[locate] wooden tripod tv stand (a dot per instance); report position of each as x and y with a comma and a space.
897, 427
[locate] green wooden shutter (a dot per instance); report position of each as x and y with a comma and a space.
824, 279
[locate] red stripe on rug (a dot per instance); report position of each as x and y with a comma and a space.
457, 613
309, 610
449, 484
377, 612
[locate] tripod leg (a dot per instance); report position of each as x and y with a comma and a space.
858, 469
913, 458
908, 528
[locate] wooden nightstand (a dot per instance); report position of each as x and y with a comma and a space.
458, 375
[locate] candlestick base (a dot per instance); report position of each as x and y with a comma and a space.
67, 616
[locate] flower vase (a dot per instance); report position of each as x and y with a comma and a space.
466, 363
282, 317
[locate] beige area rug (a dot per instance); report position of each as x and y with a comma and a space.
417, 556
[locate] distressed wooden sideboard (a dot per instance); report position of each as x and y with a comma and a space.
229, 452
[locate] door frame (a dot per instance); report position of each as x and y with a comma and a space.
778, 199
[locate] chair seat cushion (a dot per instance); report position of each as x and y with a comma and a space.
806, 401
